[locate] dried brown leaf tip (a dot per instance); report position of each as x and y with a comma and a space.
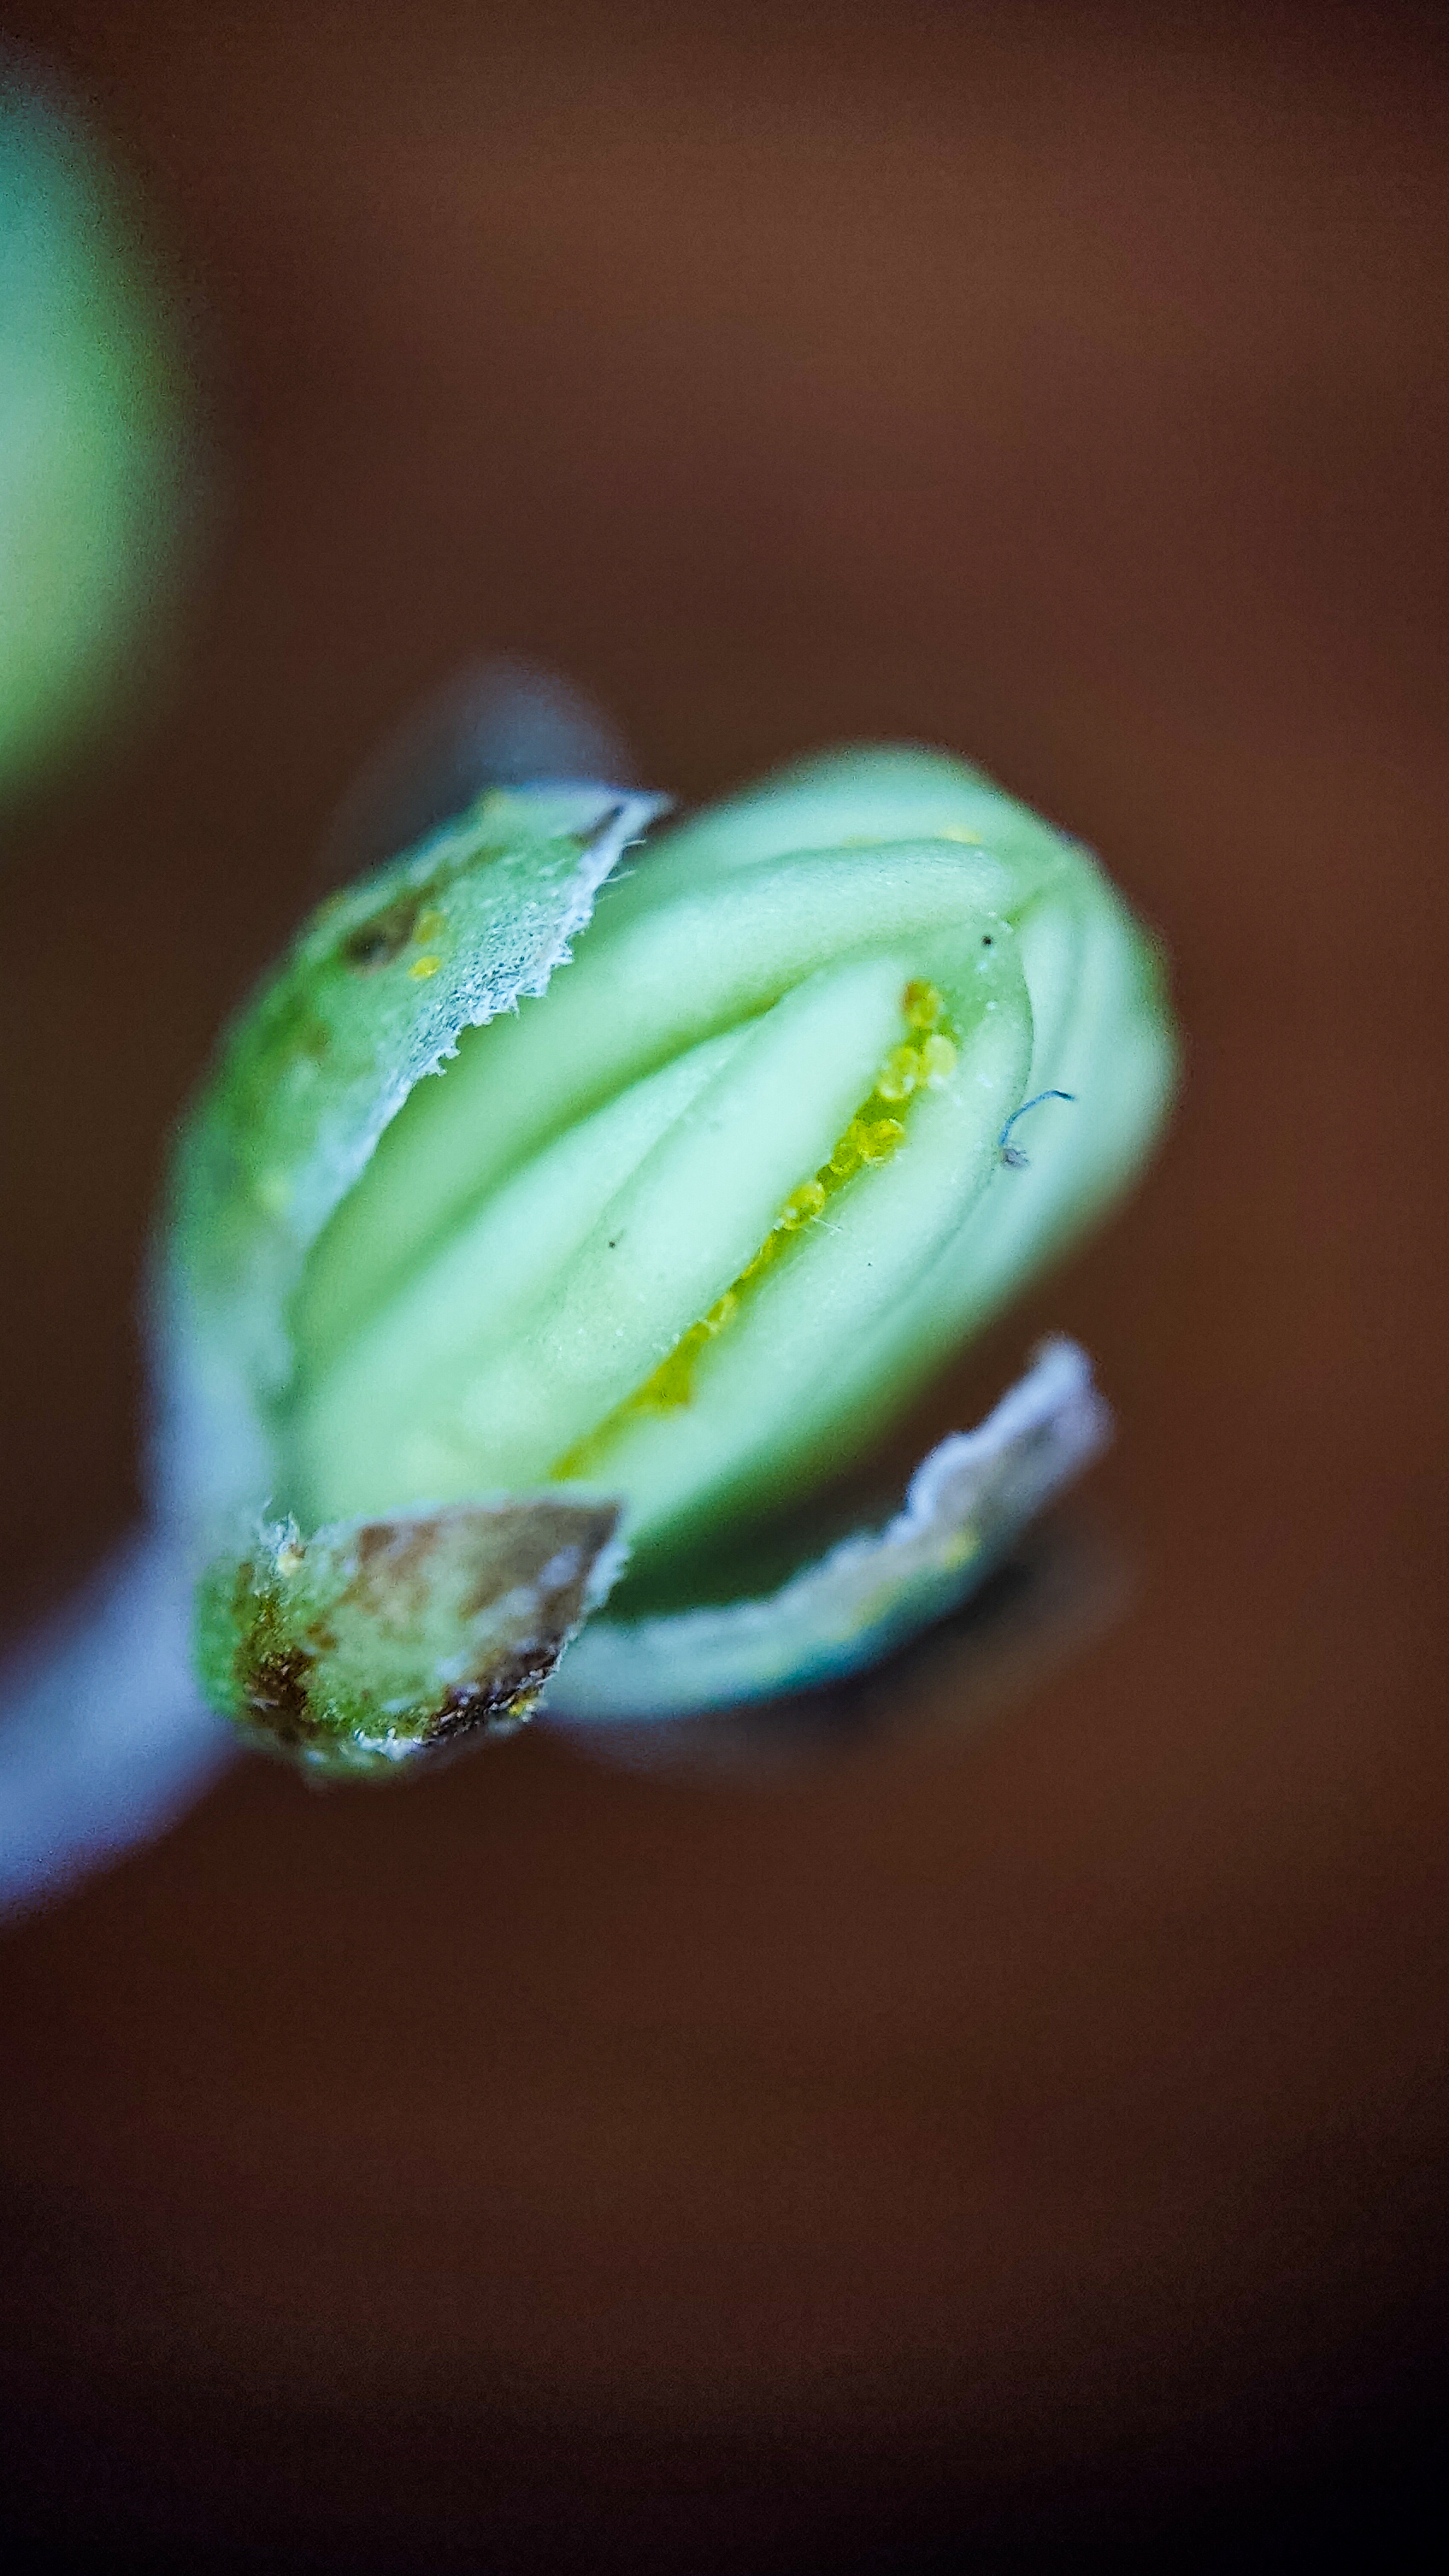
371, 1644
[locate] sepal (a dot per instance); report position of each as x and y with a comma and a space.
966, 1503
371, 1644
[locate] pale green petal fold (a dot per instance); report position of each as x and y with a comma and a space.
966, 1503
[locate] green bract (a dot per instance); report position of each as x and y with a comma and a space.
721, 1156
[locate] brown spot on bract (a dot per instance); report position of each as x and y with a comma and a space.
392, 1567
503, 1701
275, 1687
518, 1545
377, 942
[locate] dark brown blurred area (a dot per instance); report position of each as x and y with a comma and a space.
1014, 2140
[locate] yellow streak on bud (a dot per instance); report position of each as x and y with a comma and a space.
871, 1138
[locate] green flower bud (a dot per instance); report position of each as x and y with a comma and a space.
710, 1175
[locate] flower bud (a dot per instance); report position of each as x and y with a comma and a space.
520, 1228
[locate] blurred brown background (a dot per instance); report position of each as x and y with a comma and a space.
1008, 2139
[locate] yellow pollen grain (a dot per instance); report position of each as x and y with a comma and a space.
939, 1057
801, 1205
422, 967
903, 1069
923, 1005
881, 1137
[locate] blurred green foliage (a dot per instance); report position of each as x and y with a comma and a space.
93, 477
